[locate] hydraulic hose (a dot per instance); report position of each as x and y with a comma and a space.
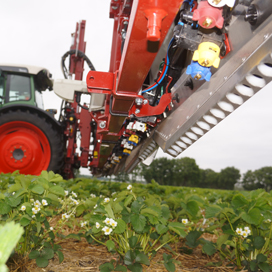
73, 52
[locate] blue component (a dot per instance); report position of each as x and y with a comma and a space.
199, 72
189, 1
132, 143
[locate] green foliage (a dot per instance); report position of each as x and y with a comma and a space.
10, 234
137, 221
32, 202
168, 263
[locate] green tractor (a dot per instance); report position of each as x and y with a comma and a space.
31, 139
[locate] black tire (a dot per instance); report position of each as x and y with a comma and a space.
30, 142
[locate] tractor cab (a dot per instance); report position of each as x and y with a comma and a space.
23, 84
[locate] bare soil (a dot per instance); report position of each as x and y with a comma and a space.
82, 256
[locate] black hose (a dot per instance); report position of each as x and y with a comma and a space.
73, 52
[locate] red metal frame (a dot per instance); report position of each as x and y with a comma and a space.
145, 24
149, 22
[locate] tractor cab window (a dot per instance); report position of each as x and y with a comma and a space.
39, 99
1, 89
18, 88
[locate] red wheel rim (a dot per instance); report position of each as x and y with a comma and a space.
23, 147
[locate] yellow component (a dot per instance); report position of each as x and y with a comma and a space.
207, 54
71, 118
126, 151
95, 154
134, 139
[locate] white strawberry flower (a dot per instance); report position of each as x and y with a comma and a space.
95, 206
106, 200
44, 202
64, 216
93, 195
184, 221
23, 208
75, 202
97, 225
247, 230
129, 187
113, 223
244, 234
35, 209
74, 194
239, 231
107, 221
83, 224
66, 193
107, 230
51, 228
37, 203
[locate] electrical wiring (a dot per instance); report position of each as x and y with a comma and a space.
164, 71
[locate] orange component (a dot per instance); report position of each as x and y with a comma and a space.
154, 17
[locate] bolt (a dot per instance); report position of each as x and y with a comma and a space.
225, 78
266, 36
137, 111
138, 101
114, 8
207, 22
205, 63
197, 76
102, 124
145, 101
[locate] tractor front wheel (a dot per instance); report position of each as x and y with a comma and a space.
29, 142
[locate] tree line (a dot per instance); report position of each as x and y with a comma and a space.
185, 172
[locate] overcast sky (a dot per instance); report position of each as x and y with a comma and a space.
39, 33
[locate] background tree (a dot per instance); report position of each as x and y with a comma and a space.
186, 172
250, 182
264, 177
161, 170
209, 179
228, 177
